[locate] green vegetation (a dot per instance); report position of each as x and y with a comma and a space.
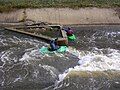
7, 5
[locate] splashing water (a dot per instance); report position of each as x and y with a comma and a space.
21, 62
94, 61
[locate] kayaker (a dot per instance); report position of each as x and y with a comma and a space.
53, 45
70, 34
69, 31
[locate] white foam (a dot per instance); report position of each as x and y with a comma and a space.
101, 62
25, 57
50, 69
98, 63
92, 61
33, 54
17, 79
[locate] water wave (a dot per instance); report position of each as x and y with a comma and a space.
96, 60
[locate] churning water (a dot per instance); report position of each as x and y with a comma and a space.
92, 62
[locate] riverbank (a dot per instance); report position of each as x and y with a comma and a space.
8, 5
65, 16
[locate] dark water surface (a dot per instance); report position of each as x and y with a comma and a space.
92, 63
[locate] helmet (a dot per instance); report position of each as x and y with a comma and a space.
69, 28
56, 39
51, 41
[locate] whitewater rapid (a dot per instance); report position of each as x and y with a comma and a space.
22, 64
95, 60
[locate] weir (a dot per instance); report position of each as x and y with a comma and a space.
62, 40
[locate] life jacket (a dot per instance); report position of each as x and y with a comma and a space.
53, 46
69, 32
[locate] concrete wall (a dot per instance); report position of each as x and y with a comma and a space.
64, 15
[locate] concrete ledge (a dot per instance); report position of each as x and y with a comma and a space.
61, 40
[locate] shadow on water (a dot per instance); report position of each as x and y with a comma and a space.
23, 67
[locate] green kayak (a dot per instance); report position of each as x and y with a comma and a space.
71, 38
44, 50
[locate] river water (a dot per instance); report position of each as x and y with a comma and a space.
92, 62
